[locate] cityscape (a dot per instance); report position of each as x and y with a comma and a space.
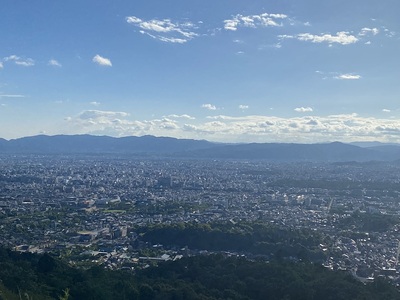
94, 209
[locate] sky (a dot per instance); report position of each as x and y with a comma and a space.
306, 71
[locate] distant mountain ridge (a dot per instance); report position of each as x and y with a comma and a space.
293, 152
188, 148
100, 144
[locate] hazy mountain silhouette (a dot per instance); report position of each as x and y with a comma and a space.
292, 152
101, 144
372, 144
390, 150
172, 147
3, 144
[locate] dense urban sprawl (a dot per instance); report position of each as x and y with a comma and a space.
87, 209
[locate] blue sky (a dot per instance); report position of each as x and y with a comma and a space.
230, 71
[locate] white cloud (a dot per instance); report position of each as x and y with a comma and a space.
166, 123
94, 103
368, 31
117, 124
243, 106
171, 40
54, 63
342, 37
11, 96
222, 117
189, 127
209, 106
266, 124
341, 76
1, 65
254, 21
11, 58
348, 77
344, 128
390, 34
386, 110
303, 109
231, 24
164, 39
165, 30
251, 128
102, 61
184, 116
277, 45
25, 62
98, 114
134, 20
313, 122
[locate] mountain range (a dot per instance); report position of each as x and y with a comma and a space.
187, 148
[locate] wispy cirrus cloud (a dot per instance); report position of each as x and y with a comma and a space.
165, 30
184, 116
11, 96
99, 114
389, 33
102, 61
54, 63
340, 76
20, 61
254, 21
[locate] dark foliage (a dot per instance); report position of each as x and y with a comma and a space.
201, 277
255, 238
367, 222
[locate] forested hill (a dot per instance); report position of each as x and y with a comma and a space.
188, 148
29, 276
